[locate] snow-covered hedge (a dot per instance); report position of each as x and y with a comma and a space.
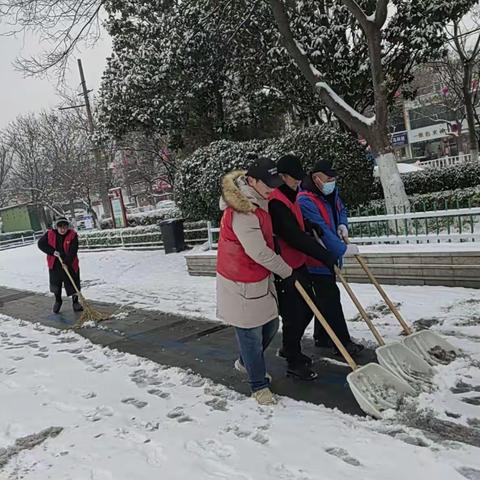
141, 234
446, 200
197, 187
164, 211
430, 180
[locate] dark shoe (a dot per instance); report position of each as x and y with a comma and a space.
301, 371
57, 306
300, 357
77, 306
328, 350
352, 348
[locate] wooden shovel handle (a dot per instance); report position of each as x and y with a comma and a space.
361, 310
354, 298
348, 358
406, 328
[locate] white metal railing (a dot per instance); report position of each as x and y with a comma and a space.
20, 241
462, 224
446, 161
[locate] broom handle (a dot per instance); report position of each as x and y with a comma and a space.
326, 326
362, 311
65, 268
406, 328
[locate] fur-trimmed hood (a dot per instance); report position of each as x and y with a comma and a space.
237, 194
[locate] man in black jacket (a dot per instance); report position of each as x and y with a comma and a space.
294, 245
61, 245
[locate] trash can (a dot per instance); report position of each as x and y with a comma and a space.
172, 235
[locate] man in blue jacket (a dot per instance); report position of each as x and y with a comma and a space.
324, 210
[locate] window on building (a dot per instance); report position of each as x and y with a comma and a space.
397, 120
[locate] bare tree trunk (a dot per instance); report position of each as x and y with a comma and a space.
374, 130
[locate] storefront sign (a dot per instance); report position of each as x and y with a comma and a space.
429, 133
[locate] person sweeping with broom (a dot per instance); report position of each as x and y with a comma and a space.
60, 243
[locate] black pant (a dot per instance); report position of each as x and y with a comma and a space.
58, 279
296, 315
327, 299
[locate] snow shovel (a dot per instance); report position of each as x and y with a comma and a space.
427, 344
89, 313
395, 356
375, 388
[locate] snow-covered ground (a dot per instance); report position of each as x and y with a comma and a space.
94, 413
123, 417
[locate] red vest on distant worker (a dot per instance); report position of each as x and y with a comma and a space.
292, 256
233, 262
52, 241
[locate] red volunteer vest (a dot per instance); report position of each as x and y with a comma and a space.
52, 239
232, 261
292, 256
313, 262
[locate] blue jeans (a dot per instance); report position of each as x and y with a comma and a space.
252, 343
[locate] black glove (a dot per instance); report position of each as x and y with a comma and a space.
302, 276
311, 227
330, 259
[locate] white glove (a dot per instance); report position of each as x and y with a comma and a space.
351, 250
56, 254
342, 232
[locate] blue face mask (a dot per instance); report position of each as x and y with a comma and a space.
328, 188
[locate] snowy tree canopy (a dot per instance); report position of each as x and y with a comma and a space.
181, 66
216, 67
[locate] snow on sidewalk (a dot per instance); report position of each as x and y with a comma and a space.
155, 281
100, 414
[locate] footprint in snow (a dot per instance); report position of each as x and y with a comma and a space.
469, 473
284, 472
135, 402
179, 415
471, 400
343, 455
89, 395
159, 393
66, 339
193, 380
217, 404
98, 413
209, 448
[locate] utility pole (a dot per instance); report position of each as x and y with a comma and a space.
99, 160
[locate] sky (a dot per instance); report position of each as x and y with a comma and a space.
20, 95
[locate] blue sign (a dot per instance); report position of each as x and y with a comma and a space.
399, 139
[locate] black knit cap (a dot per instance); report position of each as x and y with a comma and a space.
291, 165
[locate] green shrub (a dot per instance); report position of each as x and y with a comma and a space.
197, 188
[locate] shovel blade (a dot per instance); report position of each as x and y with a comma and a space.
376, 389
432, 347
406, 364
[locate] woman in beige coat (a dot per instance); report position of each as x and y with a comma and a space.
246, 296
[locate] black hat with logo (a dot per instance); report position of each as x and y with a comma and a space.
264, 169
